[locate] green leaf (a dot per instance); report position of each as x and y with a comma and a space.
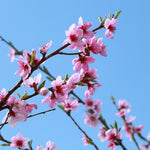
117, 14
115, 125
112, 126
32, 58
100, 19
18, 95
119, 129
41, 85
24, 95
66, 77
45, 69
49, 78
113, 99
109, 15
61, 107
5, 144
80, 83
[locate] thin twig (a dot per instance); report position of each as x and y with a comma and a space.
43, 112
82, 131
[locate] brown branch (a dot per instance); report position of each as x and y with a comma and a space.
62, 53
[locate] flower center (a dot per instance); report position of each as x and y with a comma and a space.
19, 143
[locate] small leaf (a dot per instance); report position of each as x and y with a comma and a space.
18, 95
45, 69
113, 99
109, 15
80, 83
24, 95
112, 126
100, 19
119, 129
32, 57
66, 78
5, 144
61, 107
117, 14
41, 85
115, 125
49, 78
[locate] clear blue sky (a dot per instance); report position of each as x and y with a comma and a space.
125, 73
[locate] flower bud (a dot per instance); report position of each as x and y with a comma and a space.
43, 91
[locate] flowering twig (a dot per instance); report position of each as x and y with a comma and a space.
43, 112
123, 117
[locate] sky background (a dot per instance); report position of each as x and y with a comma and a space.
125, 73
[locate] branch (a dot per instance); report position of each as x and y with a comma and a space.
43, 112
82, 130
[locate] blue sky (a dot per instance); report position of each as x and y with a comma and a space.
124, 73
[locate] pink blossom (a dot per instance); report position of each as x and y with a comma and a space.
50, 145
32, 82
85, 140
148, 136
138, 129
45, 48
50, 99
60, 89
11, 100
123, 104
122, 112
129, 131
98, 103
74, 36
39, 147
71, 82
93, 104
43, 91
112, 135
29, 107
18, 113
19, 141
24, 65
110, 27
130, 119
144, 147
91, 120
85, 27
95, 46
91, 89
90, 74
70, 104
12, 54
2, 94
102, 134
82, 63
89, 103
112, 145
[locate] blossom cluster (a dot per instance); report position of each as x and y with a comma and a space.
59, 91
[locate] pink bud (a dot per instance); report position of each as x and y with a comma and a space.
43, 91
